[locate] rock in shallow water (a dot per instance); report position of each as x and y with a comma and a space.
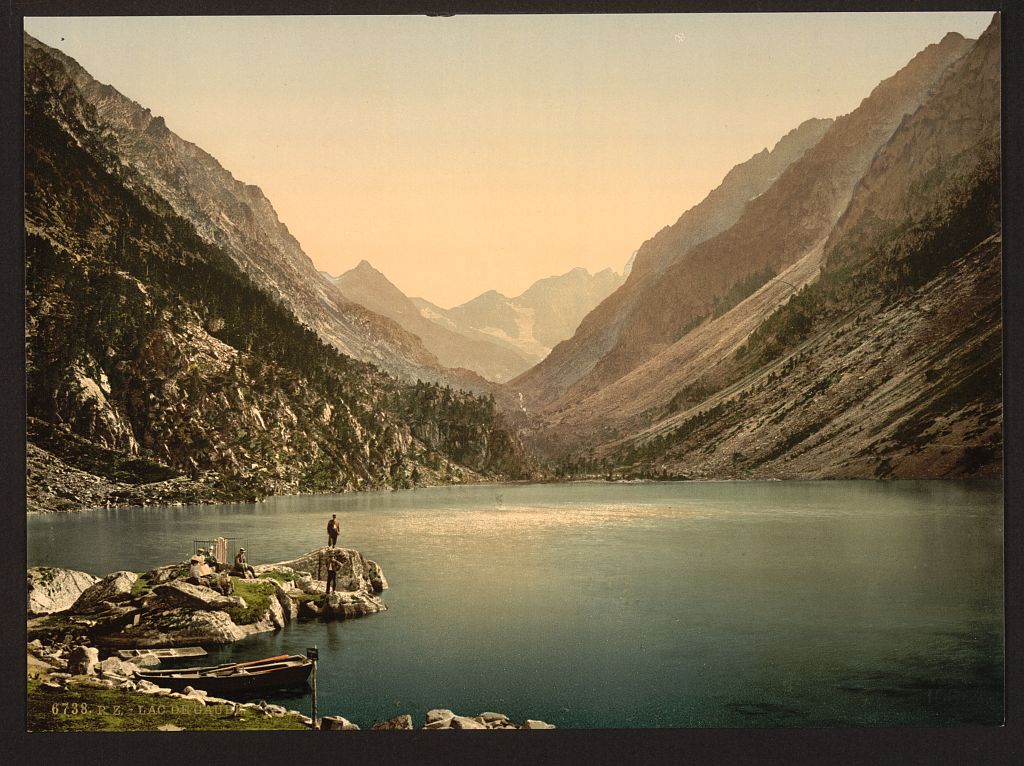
336, 723
398, 722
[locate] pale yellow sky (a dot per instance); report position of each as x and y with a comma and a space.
471, 153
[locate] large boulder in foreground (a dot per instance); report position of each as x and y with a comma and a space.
356, 573
178, 627
115, 587
53, 589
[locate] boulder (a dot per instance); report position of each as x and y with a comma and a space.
462, 722
289, 610
116, 586
307, 584
147, 660
493, 717
438, 714
308, 610
83, 660
403, 721
276, 614
343, 606
165, 574
115, 666
336, 723
178, 627
375, 575
529, 723
184, 594
52, 589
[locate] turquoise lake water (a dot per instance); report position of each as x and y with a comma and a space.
588, 605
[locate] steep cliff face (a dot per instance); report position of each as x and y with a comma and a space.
886, 363
235, 216
790, 220
600, 330
152, 357
940, 146
492, 360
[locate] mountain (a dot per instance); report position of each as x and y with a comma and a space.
370, 288
530, 324
240, 219
778, 227
877, 354
159, 370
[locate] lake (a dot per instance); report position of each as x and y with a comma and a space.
686, 604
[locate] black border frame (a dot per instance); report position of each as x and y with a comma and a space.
970, 745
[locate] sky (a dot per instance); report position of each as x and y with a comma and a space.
470, 153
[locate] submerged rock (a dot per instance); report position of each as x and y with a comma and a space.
53, 589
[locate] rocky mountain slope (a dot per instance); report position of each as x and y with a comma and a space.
601, 329
157, 366
235, 216
492, 360
776, 229
530, 324
876, 354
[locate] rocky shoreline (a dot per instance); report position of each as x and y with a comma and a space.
159, 608
74, 616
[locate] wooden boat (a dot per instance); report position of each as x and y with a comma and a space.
284, 670
163, 654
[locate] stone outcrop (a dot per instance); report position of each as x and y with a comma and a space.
336, 723
442, 718
177, 627
53, 589
403, 721
115, 587
376, 576
162, 609
83, 660
345, 605
184, 594
356, 573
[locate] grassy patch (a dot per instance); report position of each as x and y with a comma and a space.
257, 597
281, 577
84, 708
306, 597
141, 585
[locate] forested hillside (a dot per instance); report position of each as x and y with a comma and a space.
157, 369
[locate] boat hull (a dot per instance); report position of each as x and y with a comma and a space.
292, 675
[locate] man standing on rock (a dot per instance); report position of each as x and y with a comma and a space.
332, 531
333, 565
